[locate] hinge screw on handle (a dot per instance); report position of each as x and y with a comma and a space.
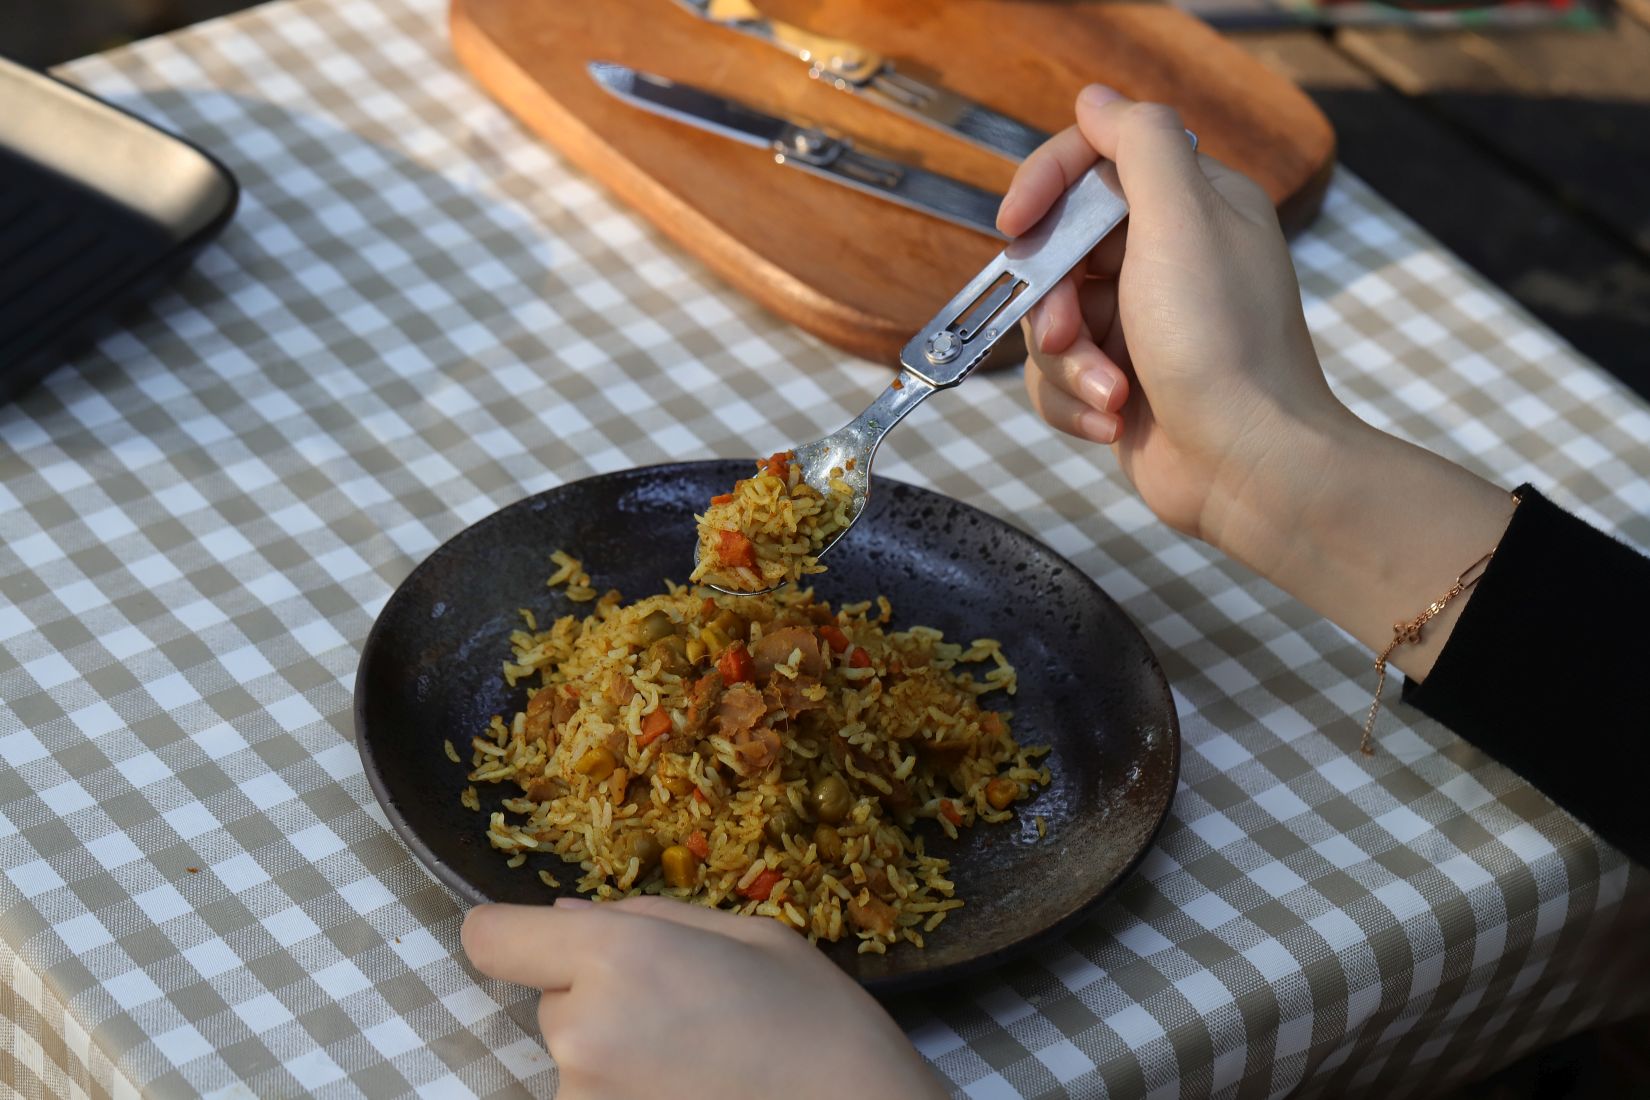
942, 347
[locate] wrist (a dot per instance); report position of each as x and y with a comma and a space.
1291, 485
1367, 530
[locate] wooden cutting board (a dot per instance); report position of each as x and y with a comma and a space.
855, 270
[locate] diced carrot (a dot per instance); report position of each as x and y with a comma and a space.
736, 665
834, 637
722, 498
778, 464
952, 814
698, 844
733, 548
762, 885
991, 723
699, 796
654, 726
707, 610
860, 659
895, 668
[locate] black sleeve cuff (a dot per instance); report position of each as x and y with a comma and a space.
1548, 669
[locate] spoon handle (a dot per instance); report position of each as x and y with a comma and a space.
903, 394
948, 348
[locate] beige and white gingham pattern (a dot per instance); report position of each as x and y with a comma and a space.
421, 314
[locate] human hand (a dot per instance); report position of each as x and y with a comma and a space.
1185, 346
651, 997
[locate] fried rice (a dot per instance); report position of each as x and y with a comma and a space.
770, 755
769, 529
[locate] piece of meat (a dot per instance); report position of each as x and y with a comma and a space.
702, 700
738, 713
759, 747
740, 708
541, 724
549, 710
870, 914
565, 706
776, 647
791, 696
619, 688
942, 756
542, 789
898, 798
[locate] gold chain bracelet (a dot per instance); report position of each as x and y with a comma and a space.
1410, 633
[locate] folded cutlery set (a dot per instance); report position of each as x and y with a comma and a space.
848, 68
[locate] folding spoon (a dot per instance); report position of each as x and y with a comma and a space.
959, 337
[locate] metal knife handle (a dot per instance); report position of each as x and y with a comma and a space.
949, 347
853, 68
826, 55
940, 196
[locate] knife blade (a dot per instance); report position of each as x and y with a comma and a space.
850, 68
805, 147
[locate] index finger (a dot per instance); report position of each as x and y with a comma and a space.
535, 945
1050, 170
1043, 177
701, 917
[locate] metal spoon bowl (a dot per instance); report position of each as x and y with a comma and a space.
849, 449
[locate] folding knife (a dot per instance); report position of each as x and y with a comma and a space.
852, 69
805, 147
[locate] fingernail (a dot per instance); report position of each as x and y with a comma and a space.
574, 903
1098, 95
1039, 327
1095, 386
1097, 426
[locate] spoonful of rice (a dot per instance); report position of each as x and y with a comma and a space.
774, 526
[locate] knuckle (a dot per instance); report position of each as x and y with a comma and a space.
580, 1045
549, 1019
1033, 385
1155, 116
607, 969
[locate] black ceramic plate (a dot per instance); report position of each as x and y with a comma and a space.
1088, 685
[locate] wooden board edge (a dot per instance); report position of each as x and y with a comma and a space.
859, 334
1301, 209
1313, 130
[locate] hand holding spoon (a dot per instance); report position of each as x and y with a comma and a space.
960, 336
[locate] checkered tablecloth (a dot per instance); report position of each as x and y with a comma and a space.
421, 315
